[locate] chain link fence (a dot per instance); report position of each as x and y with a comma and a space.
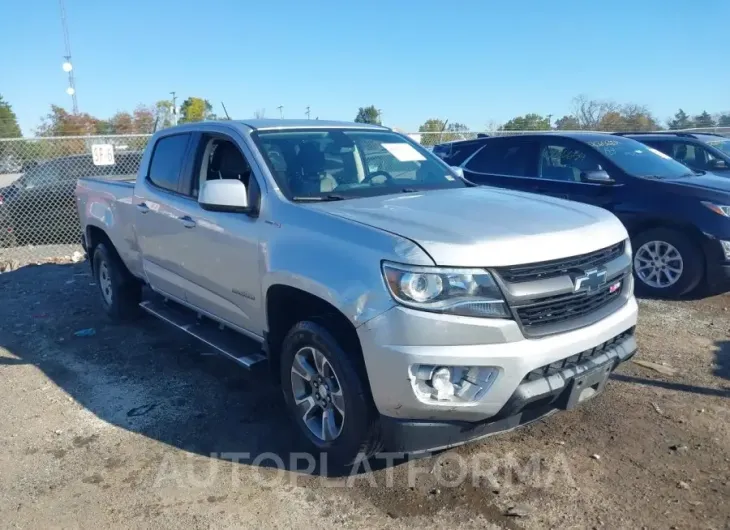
38, 217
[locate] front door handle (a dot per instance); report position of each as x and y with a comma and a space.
143, 208
187, 221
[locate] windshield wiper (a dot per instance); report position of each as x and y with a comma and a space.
320, 198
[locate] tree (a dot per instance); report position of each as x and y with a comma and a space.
196, 109
723, 120
567, 123
590, 112
259, 114
611, 121
681, 121
9, 127
164, 114
528, 122
447, 132
59, 122
368, 115
121, 123
704, 120
144, 119
638, 118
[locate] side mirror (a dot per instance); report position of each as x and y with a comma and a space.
227, 195
596, 177
459, 171
716, 163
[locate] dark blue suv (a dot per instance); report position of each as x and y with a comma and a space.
698, 151
678, 219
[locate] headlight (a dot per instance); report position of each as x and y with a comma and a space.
718, 208
466, 292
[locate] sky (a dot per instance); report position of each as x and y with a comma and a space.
476, 62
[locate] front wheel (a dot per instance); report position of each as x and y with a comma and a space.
666, 263
326, 396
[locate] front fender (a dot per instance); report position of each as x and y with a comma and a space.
339, 263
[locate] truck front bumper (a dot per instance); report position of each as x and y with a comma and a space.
395, 343
535, 398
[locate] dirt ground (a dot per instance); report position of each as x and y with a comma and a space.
138, 426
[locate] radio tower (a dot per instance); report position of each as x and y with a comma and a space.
68, 66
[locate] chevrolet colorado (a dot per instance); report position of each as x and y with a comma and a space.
398, 306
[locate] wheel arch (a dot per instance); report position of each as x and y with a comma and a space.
286, 305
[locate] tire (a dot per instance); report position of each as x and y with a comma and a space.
120, 291
359, 435
691, 263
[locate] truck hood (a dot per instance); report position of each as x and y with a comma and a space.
486, 227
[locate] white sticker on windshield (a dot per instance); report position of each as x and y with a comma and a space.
657, 152
404, 152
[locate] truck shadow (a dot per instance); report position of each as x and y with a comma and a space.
721, 369
144, 376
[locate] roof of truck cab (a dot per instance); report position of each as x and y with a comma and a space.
267, 124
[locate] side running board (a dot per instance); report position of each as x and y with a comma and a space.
241, 349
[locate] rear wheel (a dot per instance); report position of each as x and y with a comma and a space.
326, 396
120, 291
666, 263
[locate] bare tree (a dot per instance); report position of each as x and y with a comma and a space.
492, 125
590, 112
259, 114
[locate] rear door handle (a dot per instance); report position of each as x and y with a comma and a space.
187, 221
143, 208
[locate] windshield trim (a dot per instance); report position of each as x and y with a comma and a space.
355, 193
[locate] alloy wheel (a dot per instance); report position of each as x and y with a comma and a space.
658, 264
317, 394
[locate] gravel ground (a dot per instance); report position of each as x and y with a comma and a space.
14, 257
137, 426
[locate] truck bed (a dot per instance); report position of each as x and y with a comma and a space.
107, 203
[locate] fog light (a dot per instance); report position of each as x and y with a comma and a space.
452, 384
441, 383
726, 249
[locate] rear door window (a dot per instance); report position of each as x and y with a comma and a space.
664, 147
167, 161
504, 158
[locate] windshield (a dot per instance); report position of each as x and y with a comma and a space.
722, 145
330, 164
640, 160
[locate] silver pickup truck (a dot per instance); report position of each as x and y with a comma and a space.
397, 305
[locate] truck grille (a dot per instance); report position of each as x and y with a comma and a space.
560, 308
558, 267
574, 360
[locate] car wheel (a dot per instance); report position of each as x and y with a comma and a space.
666, 263
120, 292
326, 395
